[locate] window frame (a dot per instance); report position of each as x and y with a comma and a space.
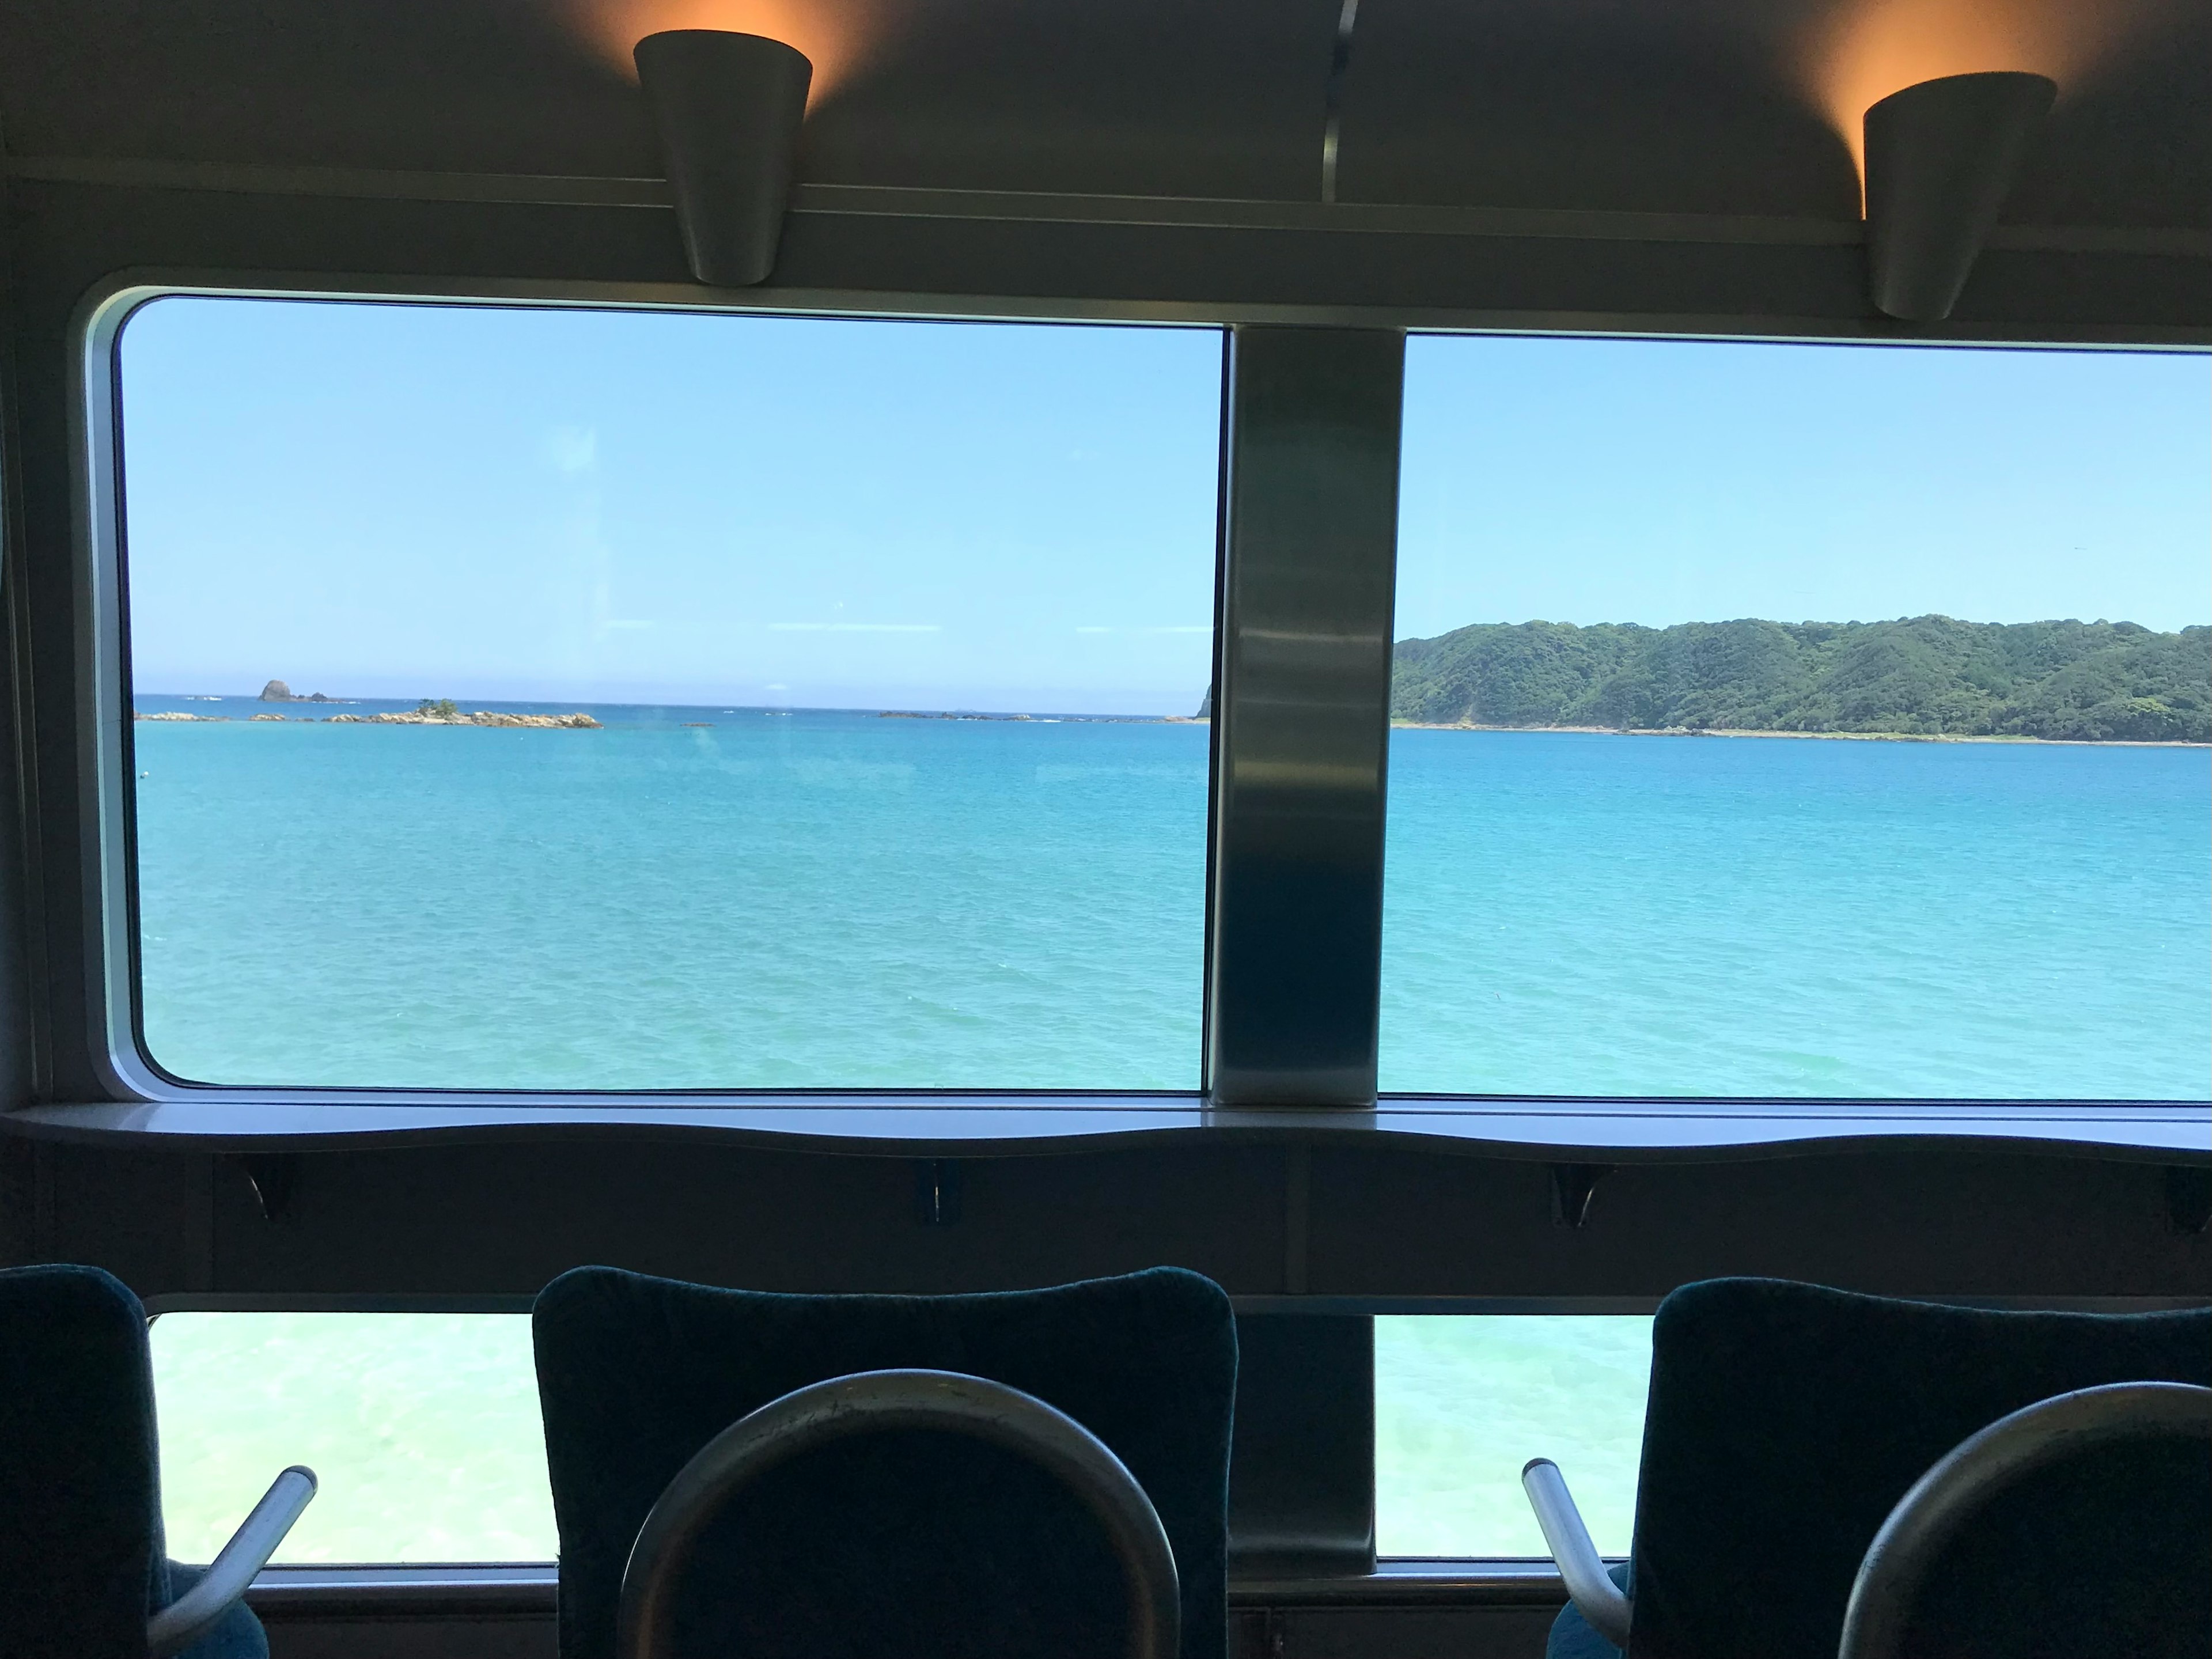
141, 1099
355, 1574
121, 1056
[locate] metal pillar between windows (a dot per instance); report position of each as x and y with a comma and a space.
1310, 527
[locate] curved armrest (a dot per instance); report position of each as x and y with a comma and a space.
197, 1612
1965, 1479
867, 1402
1591, 1588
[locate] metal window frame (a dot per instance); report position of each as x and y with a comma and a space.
1266, 571
1302, 707
120, 1057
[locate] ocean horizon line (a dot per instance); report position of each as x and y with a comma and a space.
893, 710
2013, 739
889, 711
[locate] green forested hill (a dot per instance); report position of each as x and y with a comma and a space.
2099, 681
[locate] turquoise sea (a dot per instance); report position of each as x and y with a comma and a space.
704, 898
423, 1430
1584, 913
759, 899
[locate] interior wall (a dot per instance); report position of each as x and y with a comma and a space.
490, 1221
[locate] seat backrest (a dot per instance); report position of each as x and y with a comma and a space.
918, 1544
1786, 1420
81, 1558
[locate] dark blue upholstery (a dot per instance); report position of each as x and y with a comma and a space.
1786, 1420
80, 1559
240, 1635
924, 1546
1572, 1635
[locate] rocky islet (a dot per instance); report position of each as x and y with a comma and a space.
576, 722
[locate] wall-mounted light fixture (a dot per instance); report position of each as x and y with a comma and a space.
728, 107
1940, 157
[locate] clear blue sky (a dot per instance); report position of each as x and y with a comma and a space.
607, 506
422, 501
1662, 482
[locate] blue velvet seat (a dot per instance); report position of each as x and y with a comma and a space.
922, 1545
81, 1562
1786, 1420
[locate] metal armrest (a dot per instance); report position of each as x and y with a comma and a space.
1598, 1599
1966, 1477
870, 1401
200, 1608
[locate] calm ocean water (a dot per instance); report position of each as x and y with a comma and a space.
826, 899
424, 1431
1681, 915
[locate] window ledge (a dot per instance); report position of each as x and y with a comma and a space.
978, 1125
528, 1589
511, 1589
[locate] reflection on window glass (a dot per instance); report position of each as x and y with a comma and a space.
1463, 1401
1797, 721
570, 700
422, 1430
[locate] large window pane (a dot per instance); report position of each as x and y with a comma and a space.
1796, 720
885, 640
1462, 1401
422, 1430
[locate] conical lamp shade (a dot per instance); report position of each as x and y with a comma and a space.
1940, 157
728, 107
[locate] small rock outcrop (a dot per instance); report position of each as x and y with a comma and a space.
578, 722
433, 715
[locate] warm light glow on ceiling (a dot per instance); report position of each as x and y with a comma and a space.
837, 36
1875, 47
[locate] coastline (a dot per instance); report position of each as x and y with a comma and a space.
1846, 737
577, 722
582, 721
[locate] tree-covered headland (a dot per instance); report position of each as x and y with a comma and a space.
1921, 676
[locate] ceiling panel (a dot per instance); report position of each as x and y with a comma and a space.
1716, 105
1192, 97
2130, 141
1665, 105
1686, 106
1210, 98
474, 85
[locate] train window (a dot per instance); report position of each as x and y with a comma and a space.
569, 700
1801, 721
422, 1430
1463, 1401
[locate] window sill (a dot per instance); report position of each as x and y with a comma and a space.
979, 1125
528, 1589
